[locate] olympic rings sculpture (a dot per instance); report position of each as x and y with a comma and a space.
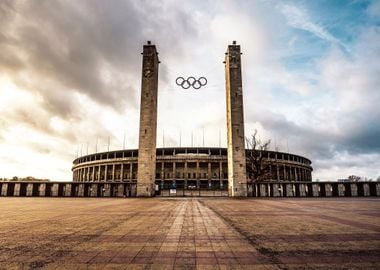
191, 82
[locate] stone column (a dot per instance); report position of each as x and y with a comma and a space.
271, 172
67, 190
81, 190
174, 174
113, 172
221, 176
197, 175
186, 175
122, 171
42, 190
237, 178
209, 174
146, 173
54, 190
29, 190
93, 173
163, 170
106, 172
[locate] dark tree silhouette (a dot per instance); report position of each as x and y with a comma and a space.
258, 169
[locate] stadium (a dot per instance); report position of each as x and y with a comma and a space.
190, 168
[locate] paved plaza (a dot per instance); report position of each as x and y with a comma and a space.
158, 233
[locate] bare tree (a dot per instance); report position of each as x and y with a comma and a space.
258, 168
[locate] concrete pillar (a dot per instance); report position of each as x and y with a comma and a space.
120, 190
146, 173
93, 174
93, 190
17, 188
186, 175
220, 170
131, 171
237, 178
29, 190
42, 190
4, 189
113, 172
106, 173
209, 174
122, 172
81, 190
197, 175
96, 173
107, 190
67, 190
54, 190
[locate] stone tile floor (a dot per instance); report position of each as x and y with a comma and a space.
159, 233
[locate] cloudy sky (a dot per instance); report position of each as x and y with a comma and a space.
70, 75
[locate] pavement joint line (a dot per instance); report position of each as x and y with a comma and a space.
259, 248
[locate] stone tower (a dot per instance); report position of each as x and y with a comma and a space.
237, 176
148, 122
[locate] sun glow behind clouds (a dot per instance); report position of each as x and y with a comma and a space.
27, 151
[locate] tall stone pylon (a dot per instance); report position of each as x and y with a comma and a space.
148, 122
237, 175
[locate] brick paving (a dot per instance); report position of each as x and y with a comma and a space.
198, 233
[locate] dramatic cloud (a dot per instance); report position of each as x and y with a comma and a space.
70, 79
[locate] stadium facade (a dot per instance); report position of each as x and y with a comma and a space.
188, 168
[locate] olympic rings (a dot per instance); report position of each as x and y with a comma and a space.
191, 82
